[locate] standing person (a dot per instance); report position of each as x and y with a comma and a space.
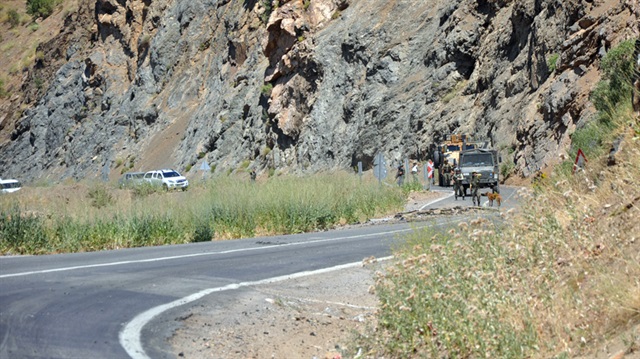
458, 188
474, 184
430, 168
446, 173
400, 175
414, 171
252, 174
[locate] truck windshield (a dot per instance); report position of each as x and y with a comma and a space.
171, 174
479, 159
10, 185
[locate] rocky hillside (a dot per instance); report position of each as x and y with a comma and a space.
305, 85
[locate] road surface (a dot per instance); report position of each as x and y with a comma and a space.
101, 304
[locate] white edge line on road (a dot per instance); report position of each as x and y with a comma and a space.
110, 264
449, 195
130, 336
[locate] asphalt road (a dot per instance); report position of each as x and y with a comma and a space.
103, 304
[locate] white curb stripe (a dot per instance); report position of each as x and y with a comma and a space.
130, 336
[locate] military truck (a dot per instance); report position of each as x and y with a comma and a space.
450, 150
482, 161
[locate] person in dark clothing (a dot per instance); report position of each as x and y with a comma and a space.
474, 185
400, 175
458, 188
446, 173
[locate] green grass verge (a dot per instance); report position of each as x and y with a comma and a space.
224, 208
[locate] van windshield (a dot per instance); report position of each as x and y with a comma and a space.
11, 185
479, 159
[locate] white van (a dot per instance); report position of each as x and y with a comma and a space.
9, 185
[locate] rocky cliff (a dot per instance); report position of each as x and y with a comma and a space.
307, 85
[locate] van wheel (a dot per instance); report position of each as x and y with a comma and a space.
165, 187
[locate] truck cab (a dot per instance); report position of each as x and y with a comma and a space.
482, 161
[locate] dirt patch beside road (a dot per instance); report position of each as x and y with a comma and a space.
310, 317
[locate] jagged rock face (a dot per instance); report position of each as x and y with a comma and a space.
322, 84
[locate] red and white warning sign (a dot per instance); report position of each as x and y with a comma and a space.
581, 160
430, 169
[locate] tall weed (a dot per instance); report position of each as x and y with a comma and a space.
224, 208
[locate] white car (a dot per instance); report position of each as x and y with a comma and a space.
168, 179
10, 185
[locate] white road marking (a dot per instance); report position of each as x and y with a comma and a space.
130, 336
159, 259
449, 195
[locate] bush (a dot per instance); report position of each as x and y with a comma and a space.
202, 233
3, 92
100, 196
267, 11
506, 168
13, 18
41, 8
142, 190
617, 73
21, 233
552, 61
266, 89
449, 295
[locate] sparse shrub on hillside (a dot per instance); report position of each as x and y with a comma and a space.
266, 4
100, 196
507, 167
617, 74
3, 92
13, 18
39, 82
205, 45
552, 61
145, 40
266, 89
612, 98
41, 8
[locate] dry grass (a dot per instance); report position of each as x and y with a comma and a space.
75, 217
18, 44
559, 280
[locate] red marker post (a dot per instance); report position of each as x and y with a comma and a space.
581, 160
